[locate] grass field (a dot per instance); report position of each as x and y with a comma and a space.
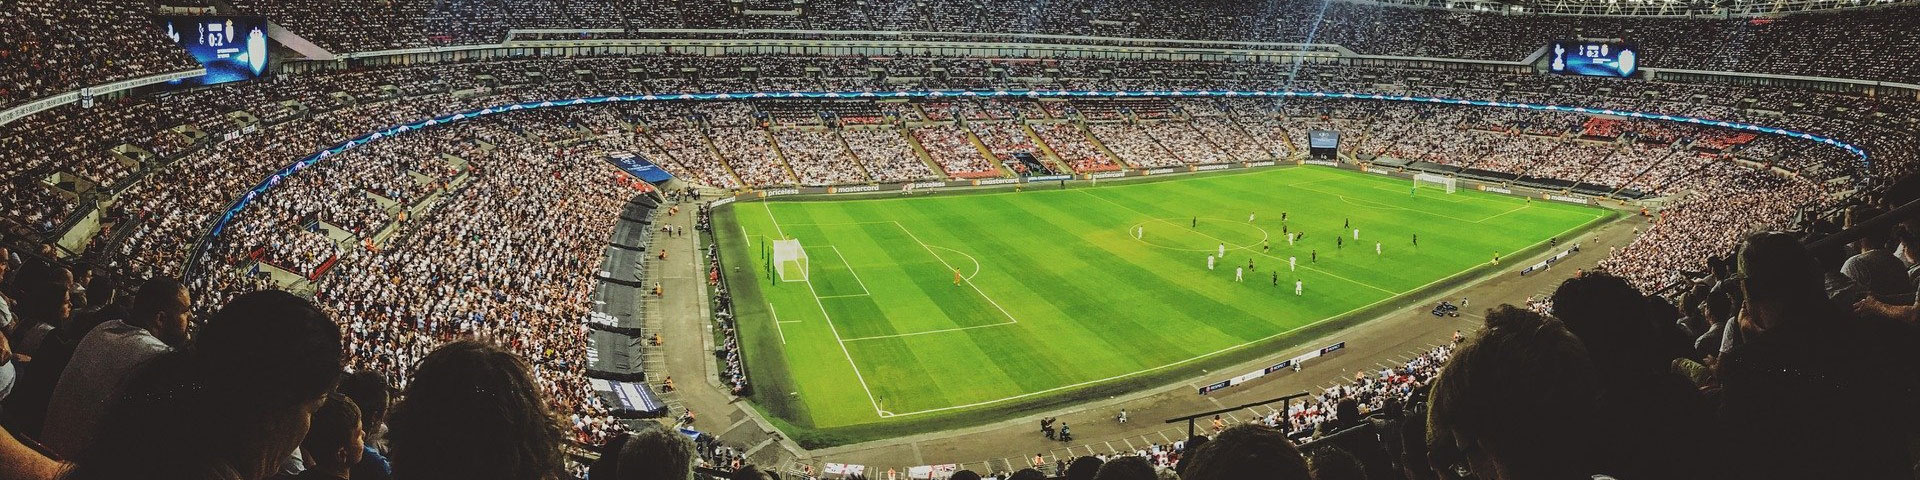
1059, 297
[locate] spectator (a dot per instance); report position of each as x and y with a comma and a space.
334, 444
1639, 393
1517, 401
369, 392
234, 404
106, 357
1247, 451
1333, 463
655, 454
473, 412
1801, 348
1083, 468
1874, 267
1126, 468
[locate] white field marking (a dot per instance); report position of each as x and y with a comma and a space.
976, 261
856, 276
1443, 199
1381, 206
1523, 206
843, 345
1268, 255
743, 233
836, 224
776, 221
777, 322
1264, 235
976, 288
843, 261
845, 352
1220, 351
943, 330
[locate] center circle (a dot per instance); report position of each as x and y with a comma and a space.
1198, 235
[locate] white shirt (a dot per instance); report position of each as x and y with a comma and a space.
106, 356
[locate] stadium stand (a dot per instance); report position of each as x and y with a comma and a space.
448, 261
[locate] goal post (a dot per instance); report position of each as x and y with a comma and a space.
790, 260
1440, 181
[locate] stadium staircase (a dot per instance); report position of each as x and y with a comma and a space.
925, 157
858, 163
1047, 154
1643, 172
780, 154
980, 147
1102, 147
707, 141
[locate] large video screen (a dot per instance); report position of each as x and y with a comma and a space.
231, 48
1323, 139
1597, 59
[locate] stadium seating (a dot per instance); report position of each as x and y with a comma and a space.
152, 173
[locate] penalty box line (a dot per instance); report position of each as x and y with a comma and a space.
837, 339
968, 280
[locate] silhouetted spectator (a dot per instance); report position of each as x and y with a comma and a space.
473, 412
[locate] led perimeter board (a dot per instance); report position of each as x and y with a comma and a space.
231, 48
1594, 58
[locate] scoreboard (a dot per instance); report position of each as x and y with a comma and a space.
1594, 58
232, 48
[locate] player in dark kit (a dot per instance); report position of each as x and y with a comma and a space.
1276, 278
1416, 239
1315, 258
1338, 242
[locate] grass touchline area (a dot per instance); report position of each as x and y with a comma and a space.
930, 311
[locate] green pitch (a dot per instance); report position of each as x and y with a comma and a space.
1063, 292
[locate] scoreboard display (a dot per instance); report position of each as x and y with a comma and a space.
232, 48
1594, 58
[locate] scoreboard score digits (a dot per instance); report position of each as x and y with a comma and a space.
1595, 58
231, 48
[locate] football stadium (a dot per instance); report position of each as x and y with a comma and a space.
982, 239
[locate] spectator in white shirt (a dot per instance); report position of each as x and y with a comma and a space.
106, 356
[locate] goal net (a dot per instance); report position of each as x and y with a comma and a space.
1430, 180
790, 260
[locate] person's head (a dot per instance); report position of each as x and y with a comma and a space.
473, 412
371, 393
1334, 463
1027, 474
334, 443
1247, 451
964, 475
161, 307
656, 454
1126, 468
1084, 468
45, 294
1347, 410
1608, 315
1780, 280
1516, 399
239, 397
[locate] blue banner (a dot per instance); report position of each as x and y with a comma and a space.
639, 168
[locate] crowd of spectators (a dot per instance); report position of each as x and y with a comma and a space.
953, 149
819, 158
887, 155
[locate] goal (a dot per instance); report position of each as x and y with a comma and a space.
790, 260
1441, 181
